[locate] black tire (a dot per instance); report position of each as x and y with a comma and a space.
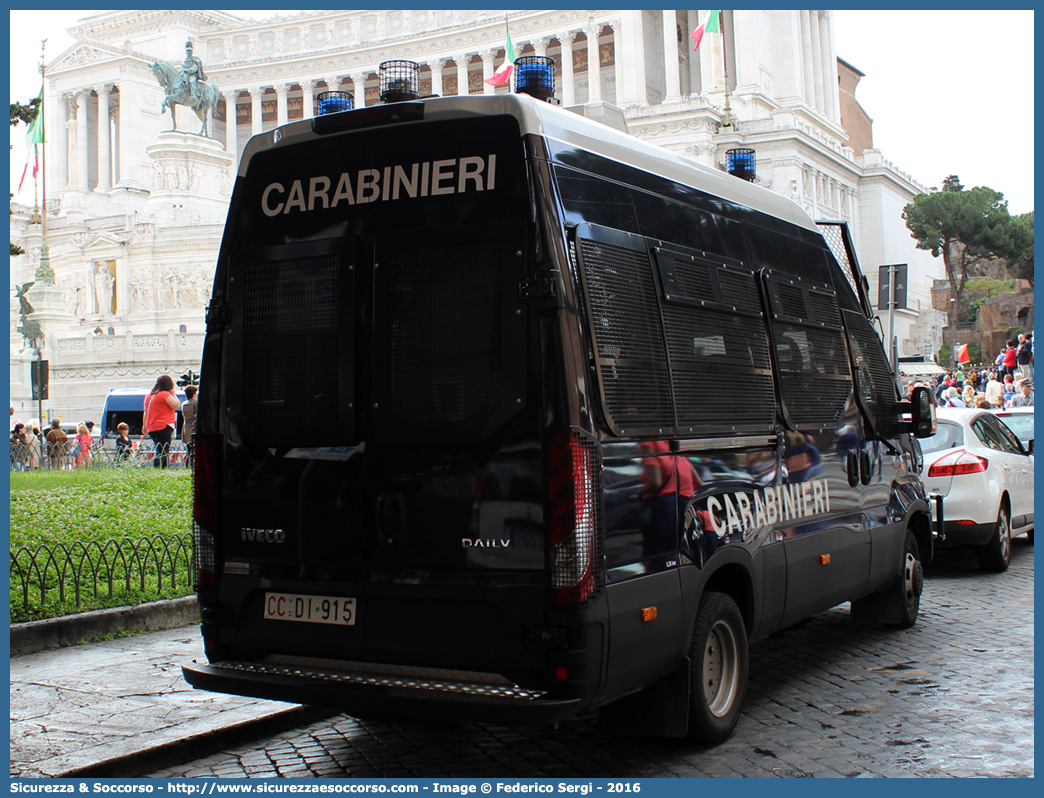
996, 554
718, 657
1029, 537
911, 580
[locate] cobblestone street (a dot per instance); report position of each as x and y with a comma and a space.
951, 697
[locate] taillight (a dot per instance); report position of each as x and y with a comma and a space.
956, 463
575, 500
203, 510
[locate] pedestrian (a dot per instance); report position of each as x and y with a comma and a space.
19, 448
188, 420
1009, 392
123, 443
1025, 396
1025, 355
160, 417
57, 441
953, 398
32, 444
994, 391
1011, 358
83, 446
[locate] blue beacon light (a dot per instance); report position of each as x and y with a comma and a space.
535, 76
333, 102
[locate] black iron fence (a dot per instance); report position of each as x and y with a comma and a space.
101, 454
54, 579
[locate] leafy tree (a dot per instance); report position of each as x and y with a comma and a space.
964, 227
1022, 265
25, 113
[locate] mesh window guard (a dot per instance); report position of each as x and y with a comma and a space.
625, 322
811, 359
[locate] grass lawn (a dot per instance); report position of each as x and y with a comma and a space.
94, 527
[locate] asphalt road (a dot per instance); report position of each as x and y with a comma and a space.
951, 697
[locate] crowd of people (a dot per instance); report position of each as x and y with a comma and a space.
1008, 384
32, 449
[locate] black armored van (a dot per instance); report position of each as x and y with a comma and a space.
506, 415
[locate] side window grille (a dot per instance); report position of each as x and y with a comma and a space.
808, 342
290, 326
717, 344
628, 334
876, 390
792, 302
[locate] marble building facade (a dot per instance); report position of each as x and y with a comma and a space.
135, 210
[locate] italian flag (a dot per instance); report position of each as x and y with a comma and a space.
710, 25
33, 139
503, 75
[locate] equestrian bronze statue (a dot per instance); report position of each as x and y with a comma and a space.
186, 86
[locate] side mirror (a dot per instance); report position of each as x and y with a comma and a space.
922, 413
1029, 446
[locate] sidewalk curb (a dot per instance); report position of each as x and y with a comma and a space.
178, 752
71, 630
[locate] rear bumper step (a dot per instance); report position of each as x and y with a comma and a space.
364, 692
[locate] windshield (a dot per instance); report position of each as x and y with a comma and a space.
946, 436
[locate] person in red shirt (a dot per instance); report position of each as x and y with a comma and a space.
665, 478
160, 418
1011, 359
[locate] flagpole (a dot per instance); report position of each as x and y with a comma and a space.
726, 120
44, 273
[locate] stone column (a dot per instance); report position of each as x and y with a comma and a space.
104, 143
631, 51
817, 63
308, 98
358, 87
82, 166
231, 123
540, 46
462, 75
615, 26
808, 77
114, 126
692, 22
670, 56
831, 89
568, 80
282, 114
487, 71
255, 110
131, 143
436, 75
61, 149
594, 67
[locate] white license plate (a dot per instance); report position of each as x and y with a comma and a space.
310, 609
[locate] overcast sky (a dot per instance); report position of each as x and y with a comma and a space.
949, 92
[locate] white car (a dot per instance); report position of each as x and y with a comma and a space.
986, 478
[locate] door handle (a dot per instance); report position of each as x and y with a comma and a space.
391, 517
852, 465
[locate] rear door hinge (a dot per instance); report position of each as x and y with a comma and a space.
541, 286
219, 314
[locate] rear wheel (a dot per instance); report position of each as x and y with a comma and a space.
719, 669
996, 554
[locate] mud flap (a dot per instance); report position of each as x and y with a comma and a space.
660, 710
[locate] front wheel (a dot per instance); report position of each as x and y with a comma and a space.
996, 554
911, 581
718, 657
